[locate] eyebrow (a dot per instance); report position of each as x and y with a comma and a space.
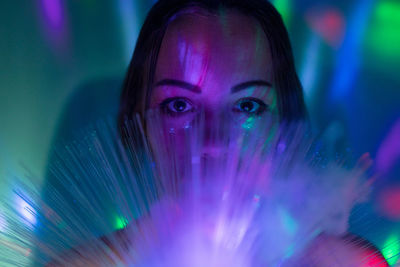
182, 84
197, 89
248, 84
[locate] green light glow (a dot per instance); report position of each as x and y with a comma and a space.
388, 11
249, 123
391, 249
383, 36
120, 223
283, 7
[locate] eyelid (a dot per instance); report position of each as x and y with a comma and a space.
164, 105
259, 101
170, 99
263, 106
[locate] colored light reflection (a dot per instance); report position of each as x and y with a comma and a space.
289, 223
129, 19
120, 223
391, 249
348, 59
249, 123
15, 247
53, 12
389, 150
25, 210
384, 33
54, 25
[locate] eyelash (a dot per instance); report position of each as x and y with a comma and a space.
261, 109
164, 105
167, 110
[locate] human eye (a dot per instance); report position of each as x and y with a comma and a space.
251, 106
176, 106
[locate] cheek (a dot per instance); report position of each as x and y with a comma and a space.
169, 135
227, 122
258, 129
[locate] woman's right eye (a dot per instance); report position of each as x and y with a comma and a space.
176, 106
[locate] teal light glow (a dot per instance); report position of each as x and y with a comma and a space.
249, 123
391, 249
383, 36
291, 227
288, 221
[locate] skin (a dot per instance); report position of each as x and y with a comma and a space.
213, 54
220, 64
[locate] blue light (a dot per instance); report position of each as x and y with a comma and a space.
348, 59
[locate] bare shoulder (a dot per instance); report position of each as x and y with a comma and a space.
346, 251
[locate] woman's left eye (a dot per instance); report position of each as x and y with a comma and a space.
251, 106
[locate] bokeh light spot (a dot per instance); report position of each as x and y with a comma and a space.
25, 209
120, 223
328, 24
389, 202
383, 36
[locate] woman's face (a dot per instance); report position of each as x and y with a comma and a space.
220, 64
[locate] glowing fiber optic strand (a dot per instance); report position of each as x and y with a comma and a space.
391, 249
249, 207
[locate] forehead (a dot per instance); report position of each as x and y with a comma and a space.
200, 47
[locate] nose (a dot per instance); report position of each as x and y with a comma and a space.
216, 133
